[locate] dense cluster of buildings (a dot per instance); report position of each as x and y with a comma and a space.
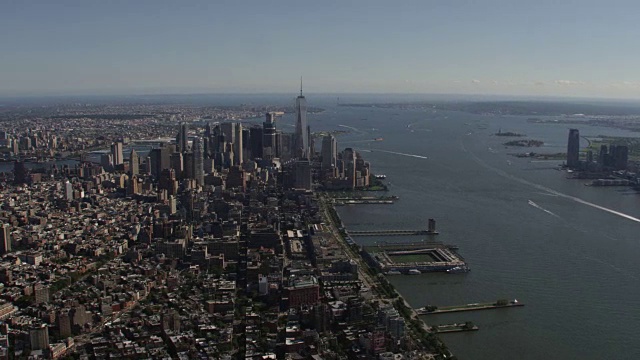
610, 158
210, 246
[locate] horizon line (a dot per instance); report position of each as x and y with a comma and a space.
320, 93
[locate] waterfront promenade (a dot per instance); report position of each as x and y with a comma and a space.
420, 334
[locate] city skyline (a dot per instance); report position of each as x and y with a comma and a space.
493, 48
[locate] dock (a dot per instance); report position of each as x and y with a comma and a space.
500, 304
414, 258
456, 327
391, 232
430, 230
365, 200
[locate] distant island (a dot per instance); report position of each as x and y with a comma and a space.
524, 143
508, 134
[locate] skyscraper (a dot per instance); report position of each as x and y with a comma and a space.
68, 191
329, 152
160, 159
255, 142
177, 164
302, 135
5, 239
303, 175
182, 139
116, 153
198, 160
269, 137
573, 148
229, 131
237, 145
349, 158
134, 162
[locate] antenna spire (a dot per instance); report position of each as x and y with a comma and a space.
300, 85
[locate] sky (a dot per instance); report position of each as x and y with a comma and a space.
531, 48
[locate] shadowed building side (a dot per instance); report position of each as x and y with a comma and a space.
573, 148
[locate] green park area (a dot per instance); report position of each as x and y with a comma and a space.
419, 258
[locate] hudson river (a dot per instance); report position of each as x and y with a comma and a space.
569, 251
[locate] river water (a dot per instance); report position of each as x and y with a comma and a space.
568, 251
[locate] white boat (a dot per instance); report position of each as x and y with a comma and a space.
393, 272
457, 270
414, 272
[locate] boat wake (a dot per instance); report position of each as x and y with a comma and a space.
352, 128
543, 209
551, 191
399, 153
357, 141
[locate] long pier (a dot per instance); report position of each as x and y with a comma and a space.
430, 230
391, 232
456, 327
363, 202
468, 307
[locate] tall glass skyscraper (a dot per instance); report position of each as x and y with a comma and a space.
182, 138
269, 137
198, 160
573, 148
302, 136
329, 152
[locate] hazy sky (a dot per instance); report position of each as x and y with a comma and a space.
559, 47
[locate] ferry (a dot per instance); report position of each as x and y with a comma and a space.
414, 272
394, 272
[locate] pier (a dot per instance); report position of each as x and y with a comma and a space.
391, 232
455, 327
431, 230
414, 258
429, 310
366, 200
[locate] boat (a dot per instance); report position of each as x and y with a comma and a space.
414, 272
458, 270
381, 177
393, 272
378, 139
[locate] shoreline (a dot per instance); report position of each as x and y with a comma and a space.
419, 331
